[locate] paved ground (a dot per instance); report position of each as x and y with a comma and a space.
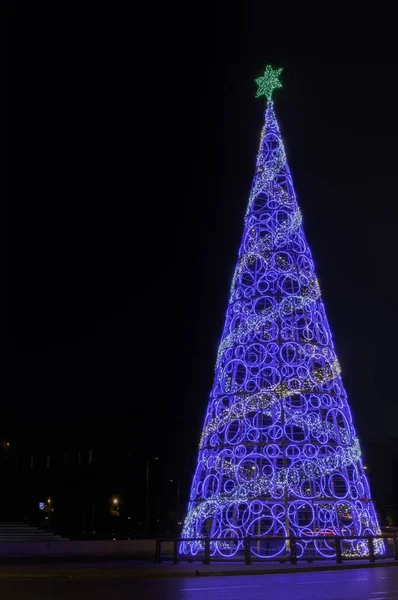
359, 584
144, 569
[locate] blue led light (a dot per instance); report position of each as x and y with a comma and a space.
279, 454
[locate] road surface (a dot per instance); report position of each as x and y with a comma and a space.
359, 584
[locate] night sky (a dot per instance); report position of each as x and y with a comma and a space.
136, 140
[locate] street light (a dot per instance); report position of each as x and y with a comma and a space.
147, 492
178, 497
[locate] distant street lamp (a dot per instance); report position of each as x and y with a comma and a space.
178, 497
115, 506
147, 492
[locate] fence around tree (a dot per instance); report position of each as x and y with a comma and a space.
278, 548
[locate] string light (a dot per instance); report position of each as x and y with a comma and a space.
278, 454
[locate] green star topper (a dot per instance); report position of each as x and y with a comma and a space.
269, 82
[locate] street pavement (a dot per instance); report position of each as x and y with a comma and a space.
357, 584
125, 568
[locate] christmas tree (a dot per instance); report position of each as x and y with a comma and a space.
279, 455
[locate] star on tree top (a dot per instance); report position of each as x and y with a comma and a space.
268, 82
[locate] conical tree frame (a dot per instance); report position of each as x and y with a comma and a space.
279, 454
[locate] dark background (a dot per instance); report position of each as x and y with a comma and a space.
133, 139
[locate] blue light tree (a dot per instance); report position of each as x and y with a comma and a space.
279, 454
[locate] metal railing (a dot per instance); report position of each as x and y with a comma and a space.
206, 549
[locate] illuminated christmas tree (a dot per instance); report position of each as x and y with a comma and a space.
279, 455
